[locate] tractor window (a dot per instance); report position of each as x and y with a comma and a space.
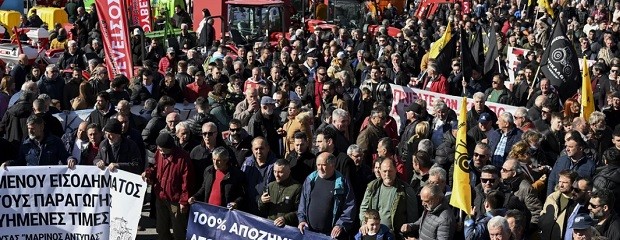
347, 13
275, 19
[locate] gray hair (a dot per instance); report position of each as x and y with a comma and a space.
439, 172
483, 146
521, 112
51, 67
340, 113
150, 104
353, 148
211, 124
479, 95
93, 62
596, 117
44, 97
440, 105
540, 100
182, 125
433, 189
507, 117
426, 145
499, 222
220, 152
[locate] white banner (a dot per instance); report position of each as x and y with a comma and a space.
55, 202
404, 96
513, 62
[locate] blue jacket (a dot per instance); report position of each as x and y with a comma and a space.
585, 168
256, 183
494, 136
51, 151
478, 229
384, 233
53, 88
344, 201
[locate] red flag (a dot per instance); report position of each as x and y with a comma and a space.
141, 14
115, 32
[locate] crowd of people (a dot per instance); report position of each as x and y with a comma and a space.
300, 132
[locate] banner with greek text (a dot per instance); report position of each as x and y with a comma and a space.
207, 222
403, 96
114, 27
55, 202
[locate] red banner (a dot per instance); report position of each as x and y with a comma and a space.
115, 31
141, 14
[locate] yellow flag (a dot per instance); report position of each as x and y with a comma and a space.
545, 4
587, 98
461, 190
441, 42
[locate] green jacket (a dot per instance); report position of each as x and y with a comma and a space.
404, 208
284, 201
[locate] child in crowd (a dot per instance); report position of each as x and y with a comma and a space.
376, 230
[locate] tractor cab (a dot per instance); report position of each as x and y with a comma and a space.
346, 14
256, 21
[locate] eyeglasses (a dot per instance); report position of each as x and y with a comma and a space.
479, 155
506, 170
233, 129
592, 205
322, 74
208, 133
614, 70
495, 82
488, 180
325, 89
576, 190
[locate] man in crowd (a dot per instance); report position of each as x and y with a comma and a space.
601, 208
437, 220
575, 160
103, 110
258, 170
223, 184
326, 187
301, 159
280, 200
326, 142
501, 140
118, 152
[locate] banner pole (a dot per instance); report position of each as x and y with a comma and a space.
533, 82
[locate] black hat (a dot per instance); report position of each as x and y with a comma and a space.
582, 221
414, 107
165, 140
616, 94
113, 126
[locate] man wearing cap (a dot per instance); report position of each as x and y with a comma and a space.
264, 124
186, 40
413, 112
118, 152
612, 114
172, 180
480, 131
582, 227
137, 47
167, 61
197, 88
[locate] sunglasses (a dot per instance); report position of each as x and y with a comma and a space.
208, 133
594, 205
506, 170
479, 155
488, 180
234, 129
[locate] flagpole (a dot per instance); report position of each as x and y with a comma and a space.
533, 82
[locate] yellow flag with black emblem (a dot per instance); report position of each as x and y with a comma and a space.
587, 99
461, 190
441, 42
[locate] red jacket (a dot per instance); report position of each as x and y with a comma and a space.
440, 86
193, 91
171, 176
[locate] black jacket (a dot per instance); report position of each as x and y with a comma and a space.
13, 122
140, 93
301, 165
151, 131
608, 177
242, 149
232, 187
67, 59
97, 117
128, 156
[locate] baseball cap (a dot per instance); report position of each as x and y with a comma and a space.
582, 221
170, 50
341, 55
484, 118
267, 100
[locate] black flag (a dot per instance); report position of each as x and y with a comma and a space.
491, 54
444, 59
559, 62
467, 59
477, 49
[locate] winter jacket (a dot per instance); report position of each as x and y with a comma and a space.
436, 224
511, 201
611, 227
52, 87
513, 135
608, 177
585, 167
368, 140
151, 131
50, 151
232, 187
171, 177
219, 110
243, 113
523, 190
140, 93
284, 201
128, 156
13, 122
478, 230
256, 182
553, 221
505, 97
473, 116
99, 118
67, 59
343, 206
403, 209
259, 126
